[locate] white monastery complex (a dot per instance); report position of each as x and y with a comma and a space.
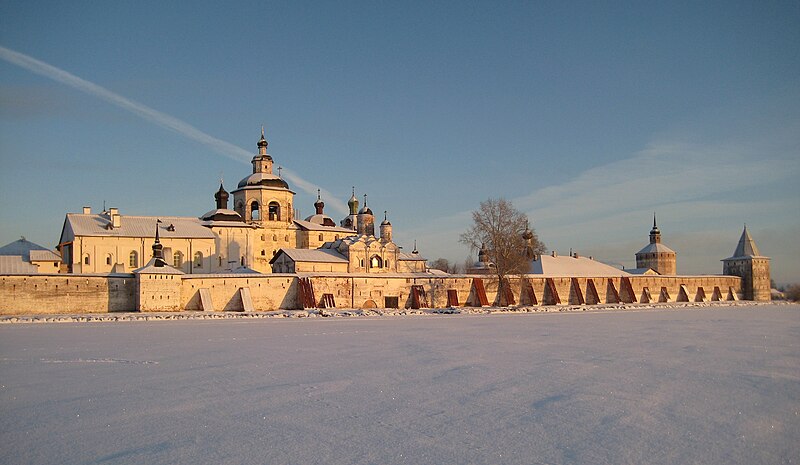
258, 256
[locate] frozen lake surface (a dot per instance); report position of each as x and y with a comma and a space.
710, 386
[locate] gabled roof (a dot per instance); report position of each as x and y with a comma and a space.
309, 226
411, 257
573, 267
136, 226
44, 256
746, 247
311, 255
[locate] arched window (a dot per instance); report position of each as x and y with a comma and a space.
274, 211
386, 263
376, 262
177, 259
133, 259
274, 238
198, 259
240, 208
320, 237
361, 263
109, 259
86, 259
263, 252
255, 213
220, 260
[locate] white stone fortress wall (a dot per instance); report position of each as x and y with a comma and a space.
35, 294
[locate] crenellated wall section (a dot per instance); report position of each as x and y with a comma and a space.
27, 294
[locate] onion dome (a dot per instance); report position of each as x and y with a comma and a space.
319, 205
263, 142
353, 202
221, 196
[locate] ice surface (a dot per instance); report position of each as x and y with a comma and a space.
659, 386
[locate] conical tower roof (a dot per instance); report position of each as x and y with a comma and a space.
746, 247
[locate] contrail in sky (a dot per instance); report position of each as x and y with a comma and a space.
154, 116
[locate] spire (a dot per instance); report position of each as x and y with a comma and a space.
386, 219
655, 233
158, 249
747, 246
415, 251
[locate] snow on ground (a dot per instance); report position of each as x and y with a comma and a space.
714, 385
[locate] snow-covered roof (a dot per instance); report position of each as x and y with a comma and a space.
746, 247
222, 214
573, 267
312, 226
263, 180
44, 256
14, 264
411, 257
655, 248
641, 271
312, 255
151, 268
137, 226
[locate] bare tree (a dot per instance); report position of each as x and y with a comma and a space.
505, 234
444, 264
792, 292
441, 264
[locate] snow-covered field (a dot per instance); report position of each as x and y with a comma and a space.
716, 385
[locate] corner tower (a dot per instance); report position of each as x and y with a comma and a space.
751, 266
657, 256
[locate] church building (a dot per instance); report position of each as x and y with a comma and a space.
249, 237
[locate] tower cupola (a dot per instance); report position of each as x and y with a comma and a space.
386, 228
262, 144
366, 221
353, 203
319, 205
221, 196
655, 233
262, 163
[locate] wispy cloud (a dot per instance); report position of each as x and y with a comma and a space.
154, 116
698, 190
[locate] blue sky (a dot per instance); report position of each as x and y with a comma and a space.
589, 116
